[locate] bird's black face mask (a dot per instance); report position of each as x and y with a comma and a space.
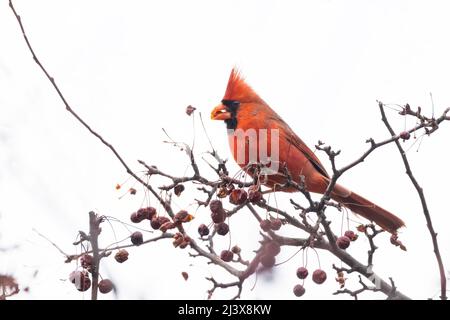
232, 107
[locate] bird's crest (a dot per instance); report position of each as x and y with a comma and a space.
238, 89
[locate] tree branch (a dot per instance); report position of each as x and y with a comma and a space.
420, 191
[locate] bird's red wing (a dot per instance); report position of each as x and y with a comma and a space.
289, 135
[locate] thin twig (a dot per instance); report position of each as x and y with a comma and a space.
423, 200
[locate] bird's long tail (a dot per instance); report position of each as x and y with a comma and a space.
367, 209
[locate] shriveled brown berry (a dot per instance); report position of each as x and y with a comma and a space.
185, 243
218, 216
132, 191
179, 188
137, 238
154, 223
222, 193
343, 242
319, 276
167, 226
226, 255
302, 273
299, 290
215, 206
236, 249
82, 281
146, 213
203, 230
405, 135
86, 261
361, 228
142, 214
185, 275
396, 242
272, 248
265, 225
222, 228
190, 110
157, 222
268, 260
254, 195
177, 239
275, 224
151, 212
238, 196
182, 216
105, 286
121, 255
351, 235
135, 218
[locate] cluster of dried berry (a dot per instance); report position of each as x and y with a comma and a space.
161, 223
319, 276
81, 279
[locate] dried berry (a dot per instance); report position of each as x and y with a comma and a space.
133, 191
156, 222
167, 226
265, 225
185, 275
136, 238
343, 242
254, 195
135, 218
185, 242
299, 290
222, 228
215, 206
226, 255
319, 276
341, 279
82, 281
268, 260
272, 248
190, 110
177, 239
302, 273
151, 212
361, 228
396, 242
121, 255
218, 216
238, 196
105, 286
86, 261
222, 193
405, 135
203, 230
146, 213
182, 216
142, 214
236, 249
179, 188
351, 235
275, 224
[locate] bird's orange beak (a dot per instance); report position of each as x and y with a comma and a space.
220, 113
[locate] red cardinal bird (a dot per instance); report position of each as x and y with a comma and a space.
242, 108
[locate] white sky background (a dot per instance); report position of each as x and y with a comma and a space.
130, 68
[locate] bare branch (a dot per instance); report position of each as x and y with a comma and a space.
420, 191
